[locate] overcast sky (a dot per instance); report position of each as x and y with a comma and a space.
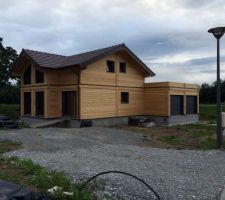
170, 36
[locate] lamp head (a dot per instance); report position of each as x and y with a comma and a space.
217, 31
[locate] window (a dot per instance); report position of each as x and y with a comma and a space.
39, 76
39, 103
69, 103
110, 66
27, 76
176, 105
191, 104
27, 103
123, 68
124, 97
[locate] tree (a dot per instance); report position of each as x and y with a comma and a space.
208, 92
8, 56
9, 93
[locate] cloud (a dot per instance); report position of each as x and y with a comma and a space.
169, 35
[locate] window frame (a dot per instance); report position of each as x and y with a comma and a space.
108, 67
39, 79
123, 70
38, 106
124, 99
27, 76
26, 103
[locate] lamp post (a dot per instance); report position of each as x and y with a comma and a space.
218, 33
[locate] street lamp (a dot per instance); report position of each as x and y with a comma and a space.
218, 33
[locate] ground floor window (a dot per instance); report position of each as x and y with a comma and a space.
176, 105
124, 97
27, 103
39, 103
69, 103
191, 104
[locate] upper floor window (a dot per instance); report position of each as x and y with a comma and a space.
110, 66
27, 76
123, 67
39, 76
124, 97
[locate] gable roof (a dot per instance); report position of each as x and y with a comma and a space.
53, 61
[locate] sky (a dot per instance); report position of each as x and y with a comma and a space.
170, 36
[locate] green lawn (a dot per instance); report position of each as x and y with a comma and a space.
208, 111
11, 110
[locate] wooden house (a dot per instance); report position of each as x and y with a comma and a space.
106, 86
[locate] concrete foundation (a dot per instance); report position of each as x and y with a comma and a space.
33, 120
174, 120
115, 121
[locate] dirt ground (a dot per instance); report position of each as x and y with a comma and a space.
192, 136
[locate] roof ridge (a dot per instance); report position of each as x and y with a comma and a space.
56, 61
44, 52
121, 44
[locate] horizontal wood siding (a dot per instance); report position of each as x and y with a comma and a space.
157, 96
97, 102
95, 73
135, 105
100, 91
134, 76
53, 99
33, 90
61, 77
156, 102
54, 103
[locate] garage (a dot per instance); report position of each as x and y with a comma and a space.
191, 104
176, 105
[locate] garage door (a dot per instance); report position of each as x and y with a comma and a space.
191, 104
176, 105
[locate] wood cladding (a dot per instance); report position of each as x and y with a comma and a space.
156, 102
95, 73
98, 102
157, 96
99, 92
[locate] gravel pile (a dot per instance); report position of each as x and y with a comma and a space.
81, 153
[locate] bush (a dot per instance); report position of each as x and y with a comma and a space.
11, 110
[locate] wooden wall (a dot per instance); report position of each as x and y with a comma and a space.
157, 96
54, 99
61, 77
97, 102
55, 81
33, 90
105, 101
100, 91
156, 101
95, 73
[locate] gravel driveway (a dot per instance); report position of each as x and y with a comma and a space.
81, 153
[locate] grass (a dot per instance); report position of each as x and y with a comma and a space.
208, 111
11, 110
201, 134
189, 136
171, 139
8, 145
30, 174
